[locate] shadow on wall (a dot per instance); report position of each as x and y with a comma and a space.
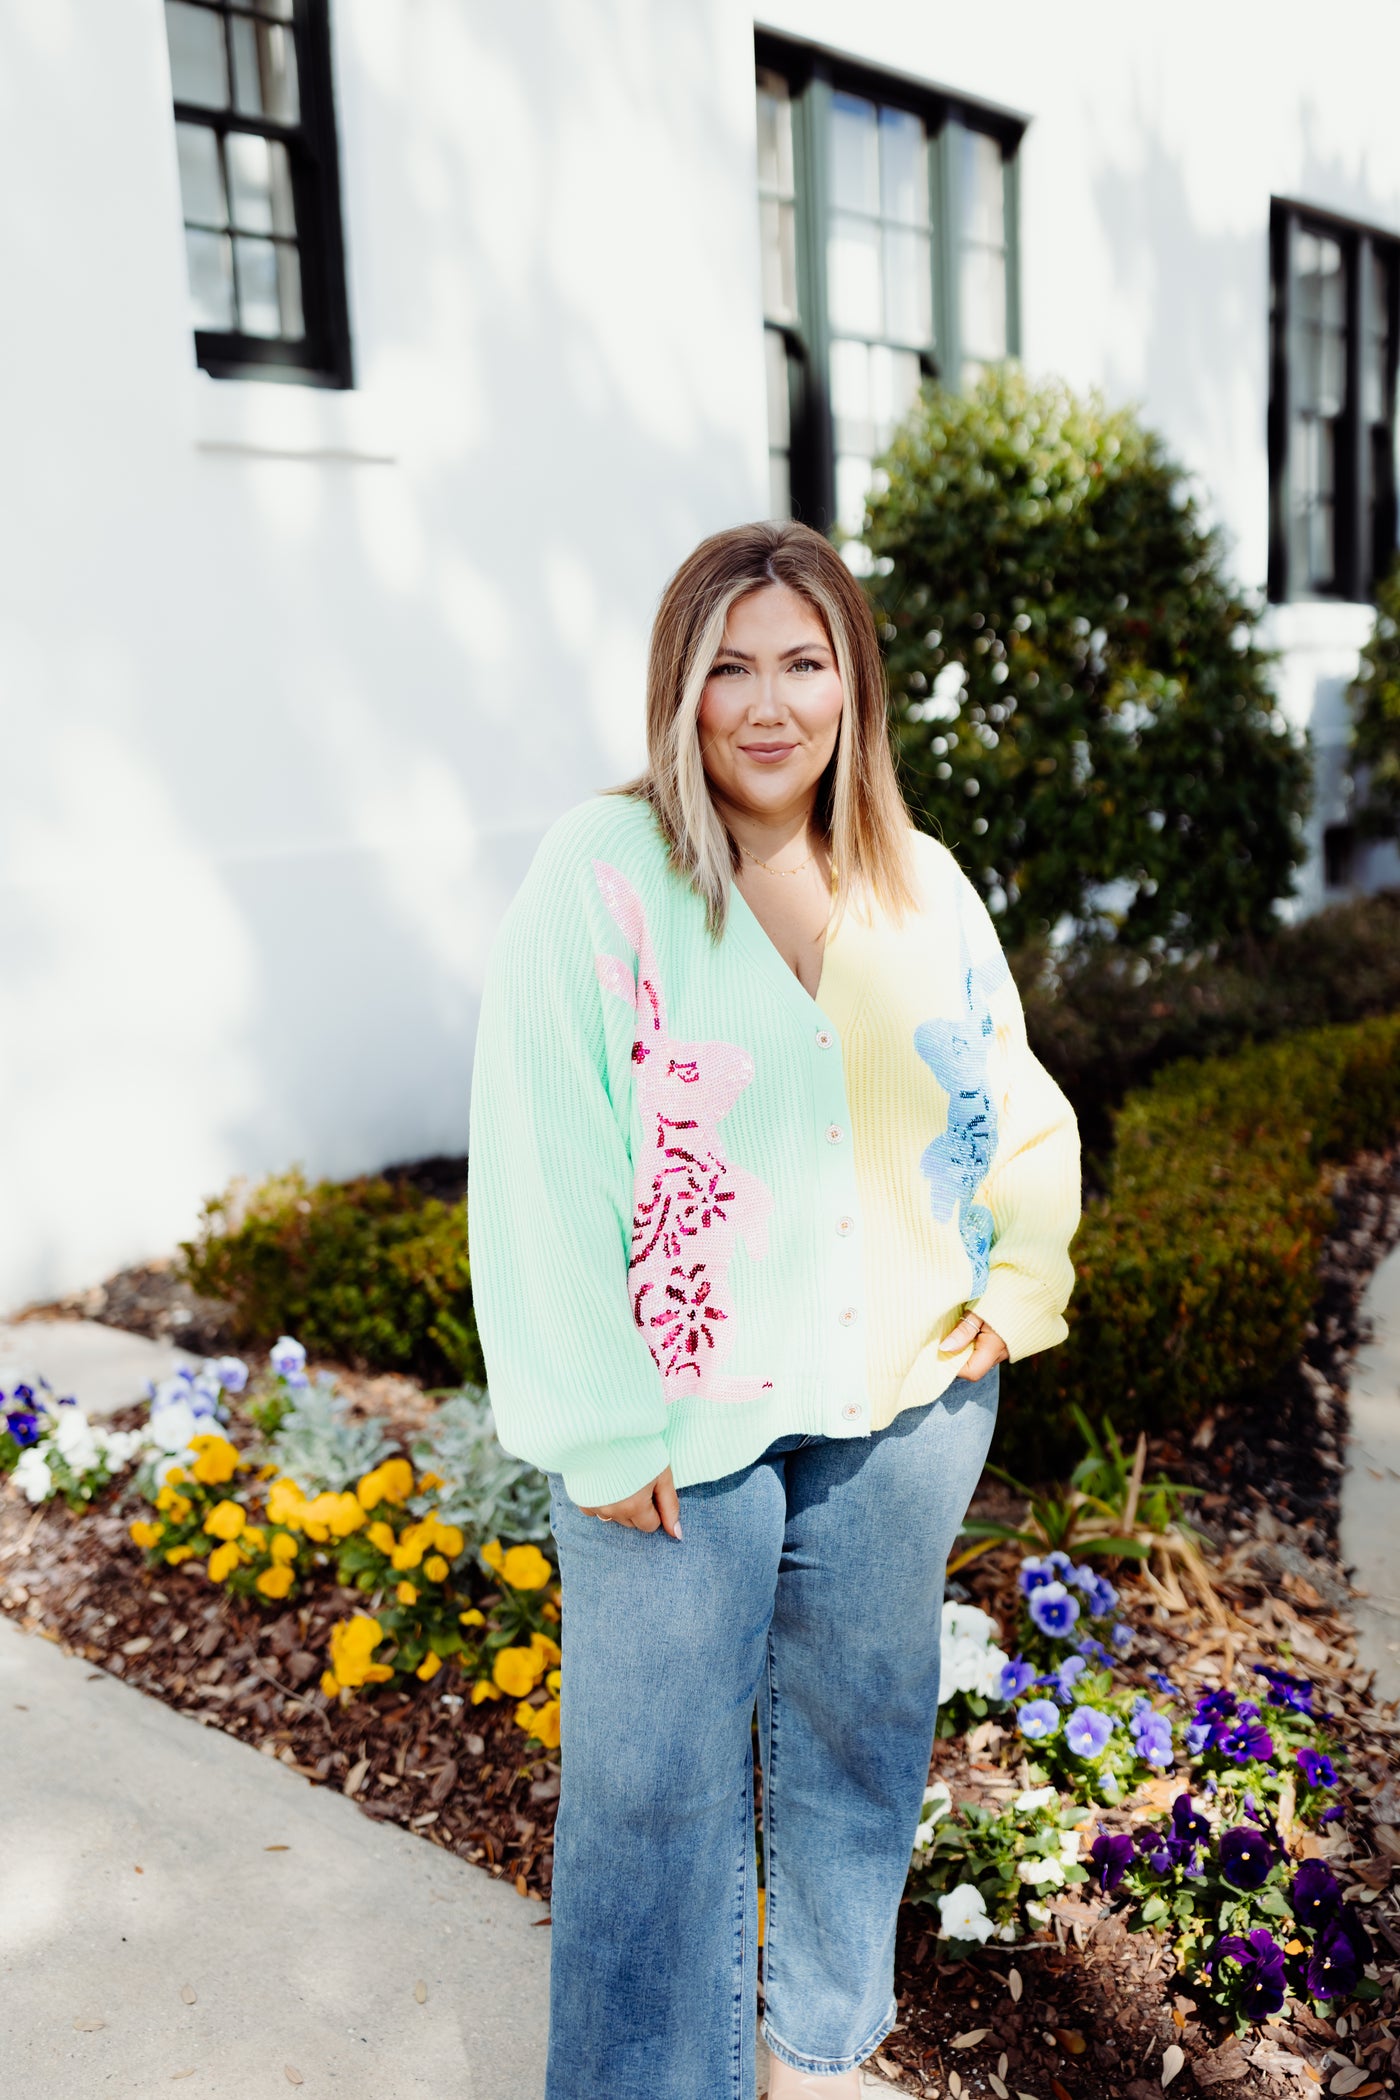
353, 694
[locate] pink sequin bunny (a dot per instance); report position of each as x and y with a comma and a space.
689, 1201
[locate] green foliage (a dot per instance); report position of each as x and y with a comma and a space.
1376, 733
368, 1270
315, 1441
485, 1491
1103, 1020
1196, 1273
1079, 696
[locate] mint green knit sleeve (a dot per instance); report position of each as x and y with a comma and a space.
573, 1386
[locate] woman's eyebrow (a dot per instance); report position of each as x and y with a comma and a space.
797, 649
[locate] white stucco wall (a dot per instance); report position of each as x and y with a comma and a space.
290, 682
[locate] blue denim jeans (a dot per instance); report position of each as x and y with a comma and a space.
811, 1582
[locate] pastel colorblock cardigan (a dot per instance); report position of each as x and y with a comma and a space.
707, 1209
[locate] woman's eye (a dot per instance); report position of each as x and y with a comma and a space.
720, 669
806, 663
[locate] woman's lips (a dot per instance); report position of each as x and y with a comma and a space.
767, 754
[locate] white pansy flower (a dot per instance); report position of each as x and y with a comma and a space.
1035, 1797
965, 1665
937, 1802
118, 1446
73, 1439
173, 1422
1040, 1872
964, 1622
1039, 1912
1006, 1931
165, 1466
963, 1914
1069, 1844
32, 1476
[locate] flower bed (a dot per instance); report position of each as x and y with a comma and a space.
1095, 1727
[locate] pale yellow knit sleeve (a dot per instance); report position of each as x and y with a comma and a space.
1033, 1187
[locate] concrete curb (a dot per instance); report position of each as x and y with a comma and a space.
1370, 1494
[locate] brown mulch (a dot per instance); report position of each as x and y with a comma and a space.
1085, 2015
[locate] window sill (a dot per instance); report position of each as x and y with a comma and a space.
262, 420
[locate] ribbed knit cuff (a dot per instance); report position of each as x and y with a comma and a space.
1014, 1306
610, 1472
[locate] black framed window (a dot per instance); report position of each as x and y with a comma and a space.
887, 225
260, 188
1334, 290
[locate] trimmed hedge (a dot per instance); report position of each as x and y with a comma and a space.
370, 1272
1197, 1272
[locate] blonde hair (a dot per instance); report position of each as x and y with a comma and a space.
859, 813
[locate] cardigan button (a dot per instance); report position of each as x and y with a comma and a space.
851, 1412
824, 1038
845, 1226
848, 1316
834, 1133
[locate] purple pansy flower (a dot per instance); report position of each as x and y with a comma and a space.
1339, 1954
1249, 1740
1260, 1959
1316, 1767
1015, 1676
1285, 1689
1087, 1731
1038, 1718
1314, 1893
1095, 1650
1053, 1609
1034, 1573
1163, 1683
1246, 1857
1154, 1740
1121, 1636
1333, 1813
1111, 1855
1068, 1674
23, 1427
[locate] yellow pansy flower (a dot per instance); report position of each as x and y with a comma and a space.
435, 1568
554, 1681
285, 1503
390, 1482
545, 1647
347, 1516
222, 1561
429, 1666
275, 1581
216, 1460
381, 1535
540, 1721
175, 1554
406, 1593
329, 1683
284, 1547
471, 1618
449, 1539
525, 1568
253, 1535
225, 1520
317, 1516
430, 1480
266, 1472
483, 1689
517, 1671
492, 1555
550, 1611
175, 1476
353, 1641
146, 1535
413, 1544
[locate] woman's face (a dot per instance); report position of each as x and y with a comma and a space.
771, 707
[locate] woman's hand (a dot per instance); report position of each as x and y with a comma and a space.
990, 1349
654, 1508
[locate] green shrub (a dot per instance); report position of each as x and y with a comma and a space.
369, 1271
1082, 705
1103, 1020
1197, 1272
1376, 734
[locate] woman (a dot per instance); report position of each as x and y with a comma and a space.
765, 1186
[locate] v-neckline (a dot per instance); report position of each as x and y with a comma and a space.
767, 955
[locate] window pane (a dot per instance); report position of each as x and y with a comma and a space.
779, 486
775, 170
775, 359
895, 376
852, 481
850, 397
778, 235
211, 279
280, 10
250, 182
903, 168
201, 176
908, 287
265, 71
198, 59
259, 306
1375, 353
982, 289
855, 157
983, 190
853, 275
289, 290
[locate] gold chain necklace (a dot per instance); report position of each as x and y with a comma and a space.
777, 871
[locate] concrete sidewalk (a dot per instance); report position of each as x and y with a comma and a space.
314, 1957
1369, 1531
102, 1367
